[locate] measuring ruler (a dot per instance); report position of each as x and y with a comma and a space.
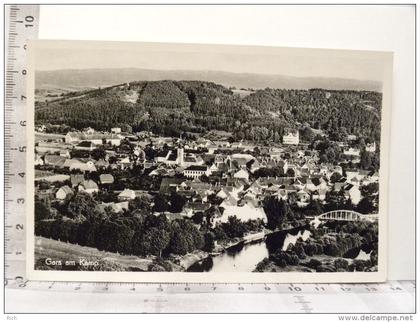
21, 24
61, 297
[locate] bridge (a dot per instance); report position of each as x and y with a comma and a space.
346, 215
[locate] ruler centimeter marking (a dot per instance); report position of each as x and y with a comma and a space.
22, 23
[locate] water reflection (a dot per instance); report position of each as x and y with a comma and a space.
244, 258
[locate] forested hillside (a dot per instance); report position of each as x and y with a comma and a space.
174, 107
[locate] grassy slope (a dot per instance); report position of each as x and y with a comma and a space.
56, 250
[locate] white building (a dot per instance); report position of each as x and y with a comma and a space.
291, 138
196, 171
353, 193
95, 138
371, 147
116, 130
63, 192
352, 152
88, 186
127, 194
241, 174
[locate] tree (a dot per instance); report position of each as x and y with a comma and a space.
82, 206
208, 242
42, 211
161, 203
276, 211
98, 153
335, 200
313, 208
234, 227
154, 241
290, 173
365, 206
177, 202
335, 177
307, 134
185, 237
126, 128
141, 204
365, 160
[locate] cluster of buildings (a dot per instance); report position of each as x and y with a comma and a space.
215, 177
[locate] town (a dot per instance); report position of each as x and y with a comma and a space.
227, 191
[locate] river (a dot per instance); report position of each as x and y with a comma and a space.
245, 257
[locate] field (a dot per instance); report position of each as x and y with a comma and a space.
55, 255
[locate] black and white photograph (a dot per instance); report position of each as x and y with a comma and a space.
153, 159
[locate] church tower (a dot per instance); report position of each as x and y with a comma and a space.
180, 156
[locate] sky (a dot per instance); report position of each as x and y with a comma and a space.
297, 62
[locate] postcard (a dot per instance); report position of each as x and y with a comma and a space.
159, 162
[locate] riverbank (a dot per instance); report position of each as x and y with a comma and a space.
317, 263
59, 253
195, 259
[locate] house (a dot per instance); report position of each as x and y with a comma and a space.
242, 174
85, 146
38, 160
79, 164
88, 186
191, 208
351, 173
351, 137
116, 207
116, 130
255, 187
160, 172
196, 171
89, 130
291, 138
126, 195
63, 192
54, 161
254, 165
41, 128
65, 153
101, 164
352, 152
171, 157
75, 179
303, 196
48, 147
124, 162
213, 168
95, 138
168, 185
106, 178
282, 194
352, 192
371, 147
240, 160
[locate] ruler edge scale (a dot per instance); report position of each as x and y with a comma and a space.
102, 286
28, 23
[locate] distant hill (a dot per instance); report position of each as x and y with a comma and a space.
92, 78
173, 108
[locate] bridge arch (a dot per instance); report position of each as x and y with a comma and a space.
346, 215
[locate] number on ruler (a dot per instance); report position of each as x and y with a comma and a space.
30, 20
295, 289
